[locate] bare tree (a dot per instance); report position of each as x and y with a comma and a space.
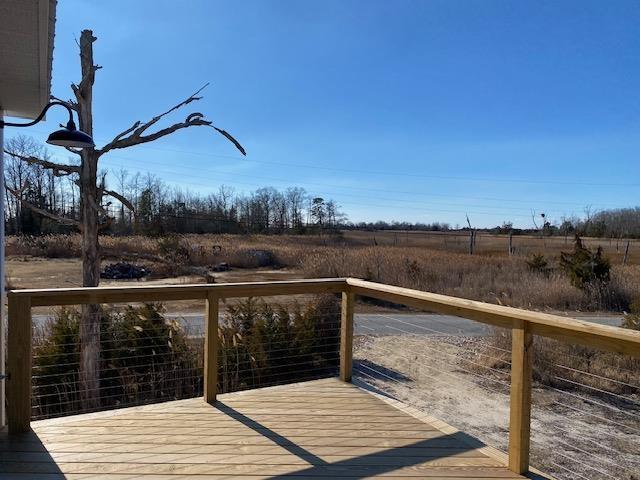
93, 216
472, 235
296, 197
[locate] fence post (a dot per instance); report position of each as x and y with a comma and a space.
520, 407
626, 253
346, 336
211, 348
19, 364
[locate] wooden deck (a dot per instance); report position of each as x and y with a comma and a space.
313, 430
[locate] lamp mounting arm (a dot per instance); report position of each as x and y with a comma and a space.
70, 124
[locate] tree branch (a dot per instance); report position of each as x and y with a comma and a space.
59, 169
73, 150
228, 136
134, 134
72, 103
192, 98
126, 132
44, 213
121, 198
82, 91
106, 224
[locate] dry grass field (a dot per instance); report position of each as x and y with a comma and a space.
494, 244
434, 262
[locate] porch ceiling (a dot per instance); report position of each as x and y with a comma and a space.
26, 51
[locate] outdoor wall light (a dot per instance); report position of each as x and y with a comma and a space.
66, 137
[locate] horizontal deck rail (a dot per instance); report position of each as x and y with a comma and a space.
570, 330
523, 324
49, 297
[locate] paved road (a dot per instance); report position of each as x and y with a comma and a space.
393, 324
441, 324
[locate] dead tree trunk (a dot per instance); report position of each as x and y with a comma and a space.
472, 236
89, 201
91, 194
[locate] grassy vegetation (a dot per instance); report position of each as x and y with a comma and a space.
517, 280
501, 280
266, 344
568, 367
145, 358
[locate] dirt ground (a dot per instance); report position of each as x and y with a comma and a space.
571, 437
40, 272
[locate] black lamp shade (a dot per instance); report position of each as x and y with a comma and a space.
70, 138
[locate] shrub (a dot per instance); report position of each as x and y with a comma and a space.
143, 359
252, 258
263, 344
147, 358
176, 254
56, 357
585, 268
538, 264
50, 246
632, 319
570, 367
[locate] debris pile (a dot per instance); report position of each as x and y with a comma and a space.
221, 267
124, 270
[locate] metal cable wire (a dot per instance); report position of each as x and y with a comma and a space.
173, 379
447, 353
456, 366
195, 367
574, 474
579, 462
451, 374
619, 382
622, 425
502, 360
439, 332
288, 340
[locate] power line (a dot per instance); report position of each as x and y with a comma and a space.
466, 210
400, 174
410, 207
500, 212
392, 173
422, 194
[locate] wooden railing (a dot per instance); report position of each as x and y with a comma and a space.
523, 324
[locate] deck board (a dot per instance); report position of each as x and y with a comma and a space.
312, 430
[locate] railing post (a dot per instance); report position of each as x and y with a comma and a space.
211, 349
520, 408
19, 364
346, 336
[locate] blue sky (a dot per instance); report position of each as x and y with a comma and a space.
408, 110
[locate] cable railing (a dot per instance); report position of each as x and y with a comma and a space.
459, 376
222, 356
149, 353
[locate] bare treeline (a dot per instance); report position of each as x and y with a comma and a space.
620, 222
35, 196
